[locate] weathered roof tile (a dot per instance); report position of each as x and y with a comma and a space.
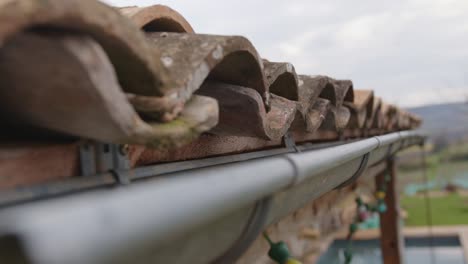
142, 76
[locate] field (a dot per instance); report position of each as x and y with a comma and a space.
446, 167
450, 209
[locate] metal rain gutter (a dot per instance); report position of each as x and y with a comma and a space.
171, 217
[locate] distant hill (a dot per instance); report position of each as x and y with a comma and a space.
444, 120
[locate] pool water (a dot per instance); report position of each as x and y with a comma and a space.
446, 250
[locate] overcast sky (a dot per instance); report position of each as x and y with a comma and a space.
410, 52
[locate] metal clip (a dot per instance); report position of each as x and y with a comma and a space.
97, 157
252, 230
358, 173
289, 143
389, 155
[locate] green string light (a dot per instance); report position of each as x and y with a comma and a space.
279, 252
362, 213
381, 206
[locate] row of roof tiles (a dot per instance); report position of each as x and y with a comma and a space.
142, 76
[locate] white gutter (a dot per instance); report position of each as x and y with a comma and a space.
151, 221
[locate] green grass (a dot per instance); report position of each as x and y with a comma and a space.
451, 209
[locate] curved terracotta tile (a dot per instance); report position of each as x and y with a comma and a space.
392, 118
134, 60
335, 91
403, 121
337, 118
312, 87
312, 110
157, 18
344, 91
282, 79
415, 121
316, 114
361, 108
406, 120
375, 118
384, 115
389, 116
192, 58
81, 95
242, 112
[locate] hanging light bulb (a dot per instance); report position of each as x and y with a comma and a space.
293, 261
381, 207
380, 195
279, 252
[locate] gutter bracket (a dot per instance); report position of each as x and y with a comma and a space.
362, 167
121, 178
98, 157
249, 234
289, 143
389, 155
341, 136
87, 160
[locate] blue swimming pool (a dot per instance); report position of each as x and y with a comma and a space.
446, 250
